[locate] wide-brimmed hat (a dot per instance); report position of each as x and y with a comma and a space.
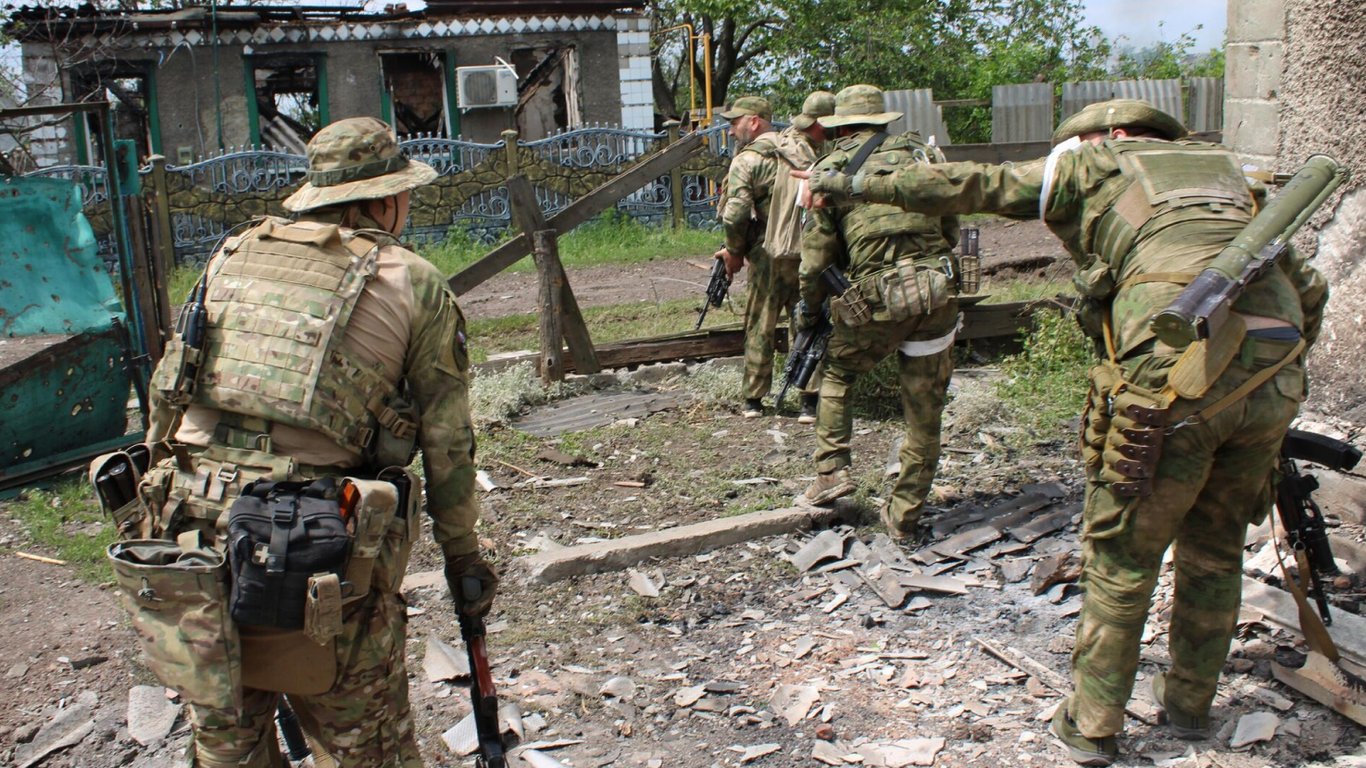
355, 159
1119, 113
748, 105
859, 105
817, 105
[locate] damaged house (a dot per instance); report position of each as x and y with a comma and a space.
190, 82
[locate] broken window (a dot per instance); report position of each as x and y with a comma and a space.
128, 88
415, 92
548, 97
290, 100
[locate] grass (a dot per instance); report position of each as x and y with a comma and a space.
1024, 289
66, 522
612, 238
1046, 382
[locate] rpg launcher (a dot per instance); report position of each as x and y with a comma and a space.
1301, 517
483, 696
717, 288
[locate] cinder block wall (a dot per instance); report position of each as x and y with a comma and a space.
1295, 85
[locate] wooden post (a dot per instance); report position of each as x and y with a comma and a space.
675, 179
526, 214
147, 299
546, 252
162, 254
510, 150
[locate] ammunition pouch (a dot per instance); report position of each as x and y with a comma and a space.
851, 308
174, 592
1133, 442
903, 291
1095, 415
115, 478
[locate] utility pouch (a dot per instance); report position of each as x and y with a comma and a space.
323, 609
116, 477
851, 308
370, 508
280, 535
1204, 361
1095, 416
1133, 444
176, 595
903, 291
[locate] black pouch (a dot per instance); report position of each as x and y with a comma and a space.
280, 534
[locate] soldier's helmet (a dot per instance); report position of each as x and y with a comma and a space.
355, 159
859, 105
817, 105
1119, 113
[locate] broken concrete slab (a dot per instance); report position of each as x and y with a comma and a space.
793, 702
752, 753
67, 728
443, 662
150, 715
904, 752
1252, 728
1015, 569
826, 545
641, 583
600, 556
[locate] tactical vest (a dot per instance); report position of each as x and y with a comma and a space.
921, 237
278, 303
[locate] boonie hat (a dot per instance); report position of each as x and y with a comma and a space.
1119, 113
749, 105
860, 104
817, 105
355, 159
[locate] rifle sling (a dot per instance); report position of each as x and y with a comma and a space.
868, 148
1311, 626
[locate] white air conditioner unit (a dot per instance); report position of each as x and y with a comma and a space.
484, 87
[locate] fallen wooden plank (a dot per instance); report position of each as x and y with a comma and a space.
1017, 659
1278, 606
597, 557
1322, 681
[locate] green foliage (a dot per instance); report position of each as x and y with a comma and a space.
612, 238
1046, 383
1166, 60
66, 523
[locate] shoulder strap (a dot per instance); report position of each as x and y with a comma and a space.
868, 148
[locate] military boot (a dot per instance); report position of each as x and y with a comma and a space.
899, 531
1084, 750
809, 405
829, 486
1183, 726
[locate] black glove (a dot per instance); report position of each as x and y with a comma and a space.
472, 582
805, 318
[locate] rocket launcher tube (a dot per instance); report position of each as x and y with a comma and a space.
1201, 308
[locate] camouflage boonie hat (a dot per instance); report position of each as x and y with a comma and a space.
1119, 113
749, 105
859, 105
355, 159
817, 105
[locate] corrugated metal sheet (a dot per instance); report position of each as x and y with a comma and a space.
918, 113
1206, 103
1021, 112
1164, 94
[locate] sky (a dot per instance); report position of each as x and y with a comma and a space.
1137, 20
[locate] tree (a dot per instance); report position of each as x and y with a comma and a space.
1167, 60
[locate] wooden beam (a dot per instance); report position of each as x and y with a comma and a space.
581, 210
551, 284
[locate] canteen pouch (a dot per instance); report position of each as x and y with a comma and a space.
1133, 444
176, 595
281, 534
903, 291
1095, 415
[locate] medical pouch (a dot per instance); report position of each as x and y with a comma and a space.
280, 535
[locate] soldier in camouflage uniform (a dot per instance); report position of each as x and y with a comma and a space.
870, 243
275, 295
1142, 212
762, 158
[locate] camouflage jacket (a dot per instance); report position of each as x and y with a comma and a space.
1088, 194
749, 182
863, 238
407, 322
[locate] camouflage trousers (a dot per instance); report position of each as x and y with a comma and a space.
1211, 481
363, 721
773, 293
924, 384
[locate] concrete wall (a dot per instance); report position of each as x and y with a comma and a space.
1296, 83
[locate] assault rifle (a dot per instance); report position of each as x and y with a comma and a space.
808, 346
1303, 522
717, 288
483, 696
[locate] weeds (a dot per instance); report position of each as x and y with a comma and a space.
67, 523
1046, 382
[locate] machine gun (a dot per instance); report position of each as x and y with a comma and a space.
1303, 522
717, 288
1203, 306
808, 346
483, 696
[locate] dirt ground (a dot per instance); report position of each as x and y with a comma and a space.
606, 676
